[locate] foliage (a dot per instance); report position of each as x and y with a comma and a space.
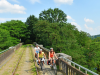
16, 28
4, 39
94, 36
53, 15
30, 22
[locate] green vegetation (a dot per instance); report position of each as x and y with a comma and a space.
52, 30
11, 32
95, 36
53, 15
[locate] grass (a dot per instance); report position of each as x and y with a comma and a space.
11, 66
57, 67
33, 65
23, 46
5, 73
0, 50
33, 45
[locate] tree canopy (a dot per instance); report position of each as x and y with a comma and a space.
16, 28
53, 15
30, 22
6, 40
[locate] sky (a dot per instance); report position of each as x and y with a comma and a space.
84, 14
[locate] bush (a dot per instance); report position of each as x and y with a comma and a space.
28, 41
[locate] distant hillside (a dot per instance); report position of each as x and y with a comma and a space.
94, 36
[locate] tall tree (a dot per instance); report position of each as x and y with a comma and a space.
53, 15
31, 21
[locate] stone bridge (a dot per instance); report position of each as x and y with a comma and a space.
9, 57
66, 65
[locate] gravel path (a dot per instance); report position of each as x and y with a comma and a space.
10, 65
26, 64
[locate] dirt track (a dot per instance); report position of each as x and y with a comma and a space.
26, 66
9, 66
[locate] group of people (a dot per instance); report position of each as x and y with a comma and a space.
40, 55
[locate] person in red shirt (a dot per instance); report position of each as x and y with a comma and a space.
51, 55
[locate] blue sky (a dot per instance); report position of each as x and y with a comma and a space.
84, 14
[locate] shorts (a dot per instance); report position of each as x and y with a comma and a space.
42, 59
51, 58
37, 52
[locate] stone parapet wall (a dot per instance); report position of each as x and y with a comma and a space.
9, 51
64, 55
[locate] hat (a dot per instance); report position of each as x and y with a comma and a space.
36, 44
51, 48
40, 50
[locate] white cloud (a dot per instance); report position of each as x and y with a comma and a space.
8, 7
88, 20
89, 28
33, 1
64, 1
69, 17
8, 19
77, 26
15, 1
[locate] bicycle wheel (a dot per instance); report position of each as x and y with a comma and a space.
55, 69
41, 65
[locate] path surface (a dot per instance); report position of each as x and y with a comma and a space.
47, 70
26, 64
10, 65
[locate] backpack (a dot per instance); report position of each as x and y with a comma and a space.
48, 62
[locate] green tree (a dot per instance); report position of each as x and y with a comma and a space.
83, 39
4, 39
30, 22
93, 56
96, 39
53, 15
16, 28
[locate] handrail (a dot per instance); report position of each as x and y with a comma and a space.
80, 66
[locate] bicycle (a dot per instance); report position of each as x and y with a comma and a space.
41, 63
54, 67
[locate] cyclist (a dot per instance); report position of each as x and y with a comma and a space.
36, 50
41, 56
51, 56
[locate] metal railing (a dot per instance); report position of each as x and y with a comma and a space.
5, 53
80, 67
69, 69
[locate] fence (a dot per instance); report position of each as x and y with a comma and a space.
5, 53
67, 68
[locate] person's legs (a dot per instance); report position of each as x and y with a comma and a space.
43, 60
35, 54
51, 60
39, 61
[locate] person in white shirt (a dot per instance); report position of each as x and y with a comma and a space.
37, 50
